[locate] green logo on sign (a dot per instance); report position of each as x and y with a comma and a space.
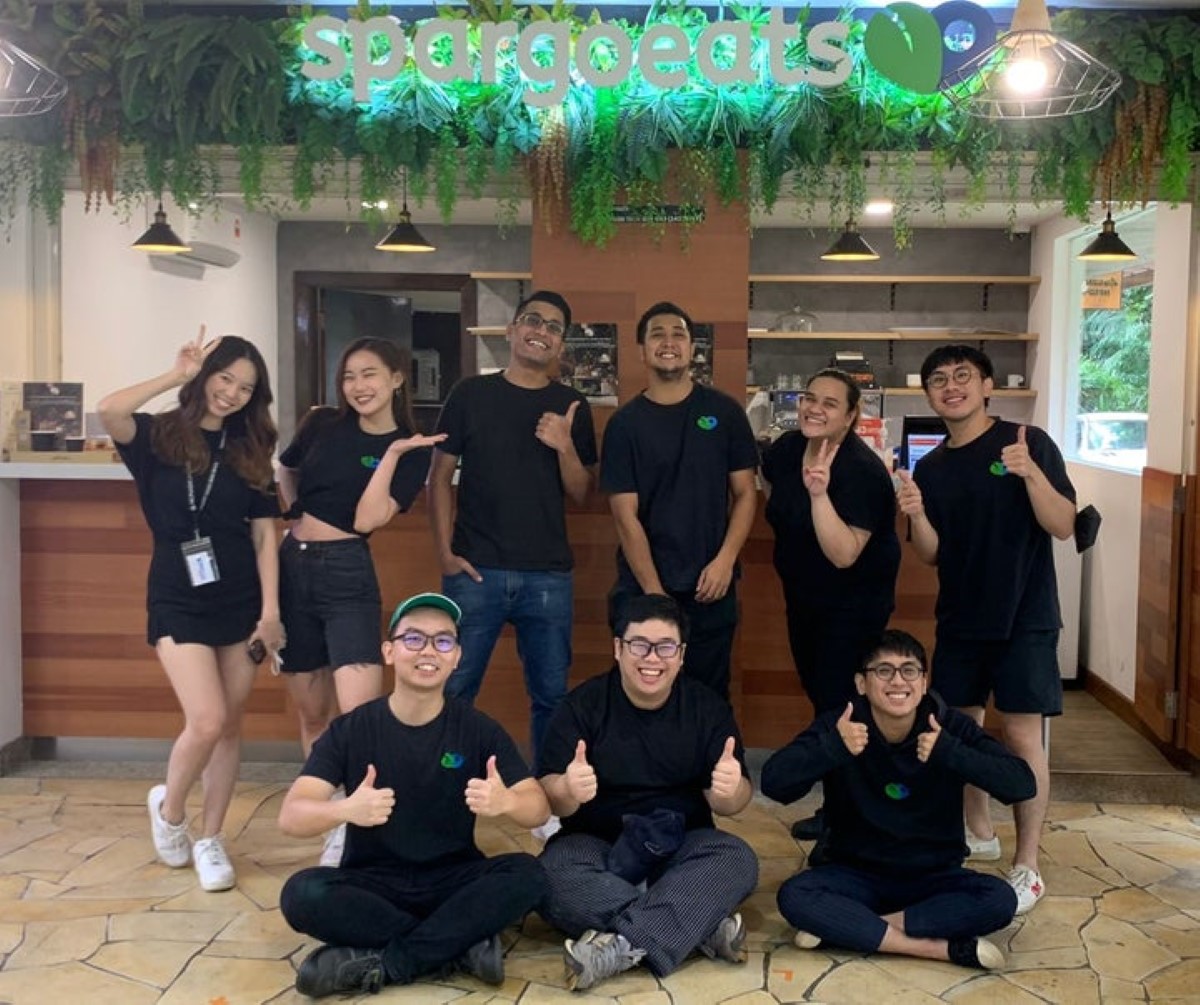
904, 43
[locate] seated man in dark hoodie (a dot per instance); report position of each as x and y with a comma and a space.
894, 763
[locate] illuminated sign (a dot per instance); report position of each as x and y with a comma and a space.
909, 45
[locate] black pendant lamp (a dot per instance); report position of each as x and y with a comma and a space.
1108, 246
404, 236
851, 247
160, 239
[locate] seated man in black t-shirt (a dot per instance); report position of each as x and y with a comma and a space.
894, 762
414, 895
637, 761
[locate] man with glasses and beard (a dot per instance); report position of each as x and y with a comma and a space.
414, 897
982, 507
893, 764
636, 762
526, 442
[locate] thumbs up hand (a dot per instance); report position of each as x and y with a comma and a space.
853, 734
1016, 458
727, 772
581, 776
554, 430
368, 806
926, 740
488, 796
908, 496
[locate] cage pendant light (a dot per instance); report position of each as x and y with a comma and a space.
404, 236
27, 87
1031, 73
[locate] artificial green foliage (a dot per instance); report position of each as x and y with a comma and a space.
161, 102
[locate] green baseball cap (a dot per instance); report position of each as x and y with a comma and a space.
435, 600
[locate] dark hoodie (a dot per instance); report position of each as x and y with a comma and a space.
884, 808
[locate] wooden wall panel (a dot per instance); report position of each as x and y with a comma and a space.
1159, 570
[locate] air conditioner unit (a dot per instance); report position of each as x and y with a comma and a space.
214, 241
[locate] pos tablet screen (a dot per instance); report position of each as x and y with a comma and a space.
921, 433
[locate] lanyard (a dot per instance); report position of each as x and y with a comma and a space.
191, 491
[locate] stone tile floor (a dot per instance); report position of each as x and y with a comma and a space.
88, 916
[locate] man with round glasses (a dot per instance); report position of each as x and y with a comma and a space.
635, 763
893, 764
983, 507
526, 443
414, 896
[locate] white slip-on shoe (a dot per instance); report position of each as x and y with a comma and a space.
171, 841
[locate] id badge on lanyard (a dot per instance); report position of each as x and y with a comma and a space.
199, 556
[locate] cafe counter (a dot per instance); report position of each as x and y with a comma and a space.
85, 668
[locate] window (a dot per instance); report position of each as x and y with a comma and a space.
1107, 411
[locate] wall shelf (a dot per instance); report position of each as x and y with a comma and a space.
487, 330
502, 276
999, 392
836, 277
944, 335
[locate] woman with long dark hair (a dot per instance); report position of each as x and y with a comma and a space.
348, 471
204, 479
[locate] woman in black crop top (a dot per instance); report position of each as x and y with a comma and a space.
348, 471
203, 475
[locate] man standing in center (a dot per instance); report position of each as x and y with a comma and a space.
525, 442
673, 456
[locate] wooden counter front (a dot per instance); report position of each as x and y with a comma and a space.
87, 670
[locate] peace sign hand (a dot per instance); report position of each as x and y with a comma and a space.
816, 475
191, 356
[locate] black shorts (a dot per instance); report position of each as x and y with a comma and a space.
329, 603
1020, 673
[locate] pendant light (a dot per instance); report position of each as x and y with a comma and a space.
160, 239
404, 236
850, 247
1108, 246
1030, 73
27, 86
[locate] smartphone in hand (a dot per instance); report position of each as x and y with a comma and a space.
257, 651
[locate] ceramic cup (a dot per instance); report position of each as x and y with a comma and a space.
912, 380
1016, 380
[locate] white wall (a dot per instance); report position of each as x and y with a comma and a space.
1108, 635
15, 305
122, 321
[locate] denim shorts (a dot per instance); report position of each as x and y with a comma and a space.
329, 603
1021, 672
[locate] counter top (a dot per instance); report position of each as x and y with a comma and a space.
64, 470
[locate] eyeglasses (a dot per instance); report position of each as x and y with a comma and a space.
533, 319
663, 650
963, 375
414, 640
888, 671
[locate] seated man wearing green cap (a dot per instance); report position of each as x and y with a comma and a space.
414, 896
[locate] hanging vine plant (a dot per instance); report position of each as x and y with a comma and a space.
176, 90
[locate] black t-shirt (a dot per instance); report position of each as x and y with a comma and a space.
885, 808
860, 490
645, 759
678, 459
225, 519
511, 512
995, 563
427, 766
336, 458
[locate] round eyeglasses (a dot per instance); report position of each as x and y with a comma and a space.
414, 640
962, 375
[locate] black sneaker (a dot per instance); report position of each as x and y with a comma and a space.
810, 828
340, 970
485, 961
978, 954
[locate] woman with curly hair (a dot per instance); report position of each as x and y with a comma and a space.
204, 479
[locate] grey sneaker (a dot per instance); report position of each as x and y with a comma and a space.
728, 942
485, 961
171, 841
596, 956
332, 970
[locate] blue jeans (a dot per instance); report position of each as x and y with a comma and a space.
539, 605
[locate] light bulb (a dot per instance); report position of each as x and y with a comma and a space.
1026, 75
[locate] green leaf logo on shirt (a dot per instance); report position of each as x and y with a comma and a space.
452, 760
998, 469
904, 43
367, 461
707, 422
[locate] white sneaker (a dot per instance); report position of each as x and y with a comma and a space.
335, 844
1028, 886
171, 841
213, 865
547, 830
983, 849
